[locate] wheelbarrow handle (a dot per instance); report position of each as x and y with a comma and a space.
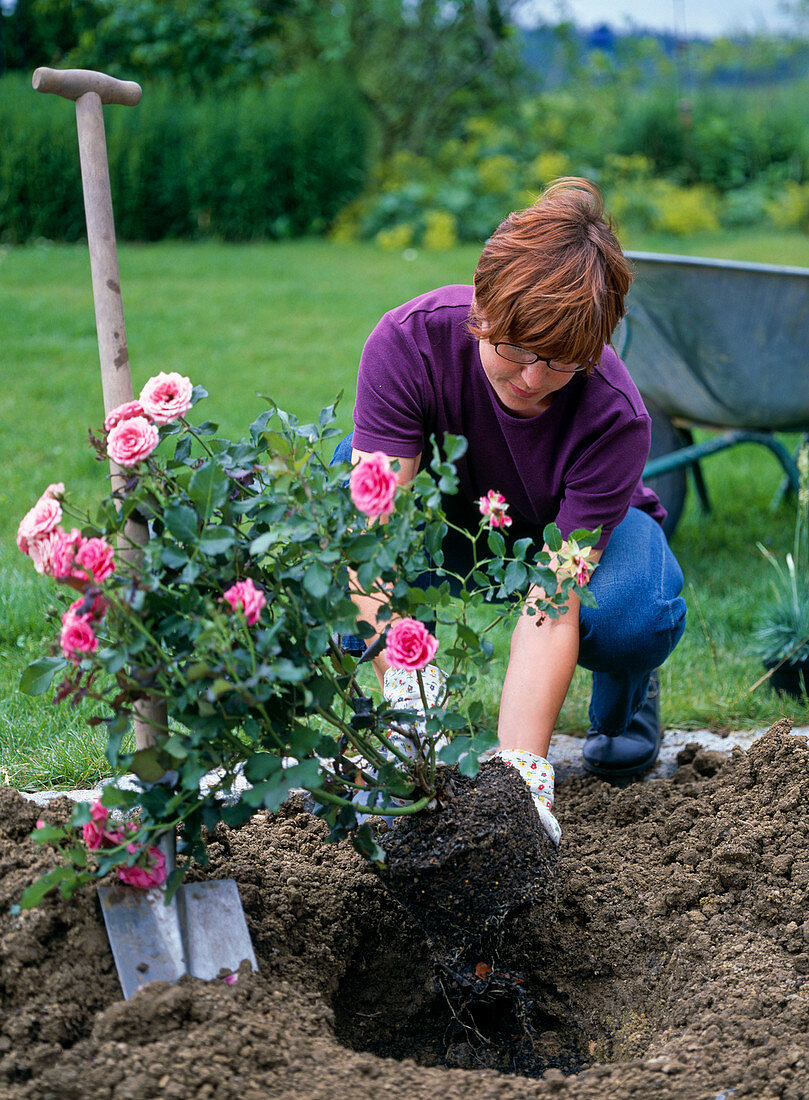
74, 83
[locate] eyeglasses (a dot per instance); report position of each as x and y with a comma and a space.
525, 358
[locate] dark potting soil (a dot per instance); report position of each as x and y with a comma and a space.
460, 871
670, 961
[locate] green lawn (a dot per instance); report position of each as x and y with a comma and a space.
289, 320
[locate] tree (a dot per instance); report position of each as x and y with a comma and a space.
42, 32
421, 65
194, 42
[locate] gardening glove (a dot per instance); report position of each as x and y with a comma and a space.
538, 774
401, 690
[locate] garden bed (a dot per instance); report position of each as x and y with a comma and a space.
670, 960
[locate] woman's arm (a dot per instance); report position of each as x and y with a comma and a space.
541, 664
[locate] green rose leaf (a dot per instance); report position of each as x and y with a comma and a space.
586, 598
317, 640
365, 843
521, 547
497, 544
209, 488
451, 720
515, 576
173, 557
144, 763
33, 894
586, 538
552, 537
81, 814
39, 675
452, 752
48, 833
317, 580
216, 540
469, 765
182, 522
260, 766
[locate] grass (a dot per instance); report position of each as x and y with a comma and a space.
289, 320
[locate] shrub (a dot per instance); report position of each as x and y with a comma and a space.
265, 162
733, 144
744, 207
789, 209
440, 230
497, 174
685, 210
394, 239
652, 126
40, 181
549, 166
633, 205
659, 205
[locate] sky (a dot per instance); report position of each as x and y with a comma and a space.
683, 17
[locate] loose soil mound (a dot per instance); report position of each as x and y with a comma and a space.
672, 961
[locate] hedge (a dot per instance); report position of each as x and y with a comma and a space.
267, 162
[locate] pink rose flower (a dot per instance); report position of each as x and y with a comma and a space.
151, 873
42, 551
77, 636
62, 552
132, 440
582, 570
96, 610
244, 594
38, 521
493, 509
409, 645
166, 397
120, 835
373, 485
95, 832
97, 559
127, 411
56, 490
573, 562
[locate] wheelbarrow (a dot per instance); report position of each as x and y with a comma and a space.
719, 345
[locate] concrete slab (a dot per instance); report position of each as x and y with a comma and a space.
565, 755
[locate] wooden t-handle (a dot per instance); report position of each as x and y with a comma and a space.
74, 83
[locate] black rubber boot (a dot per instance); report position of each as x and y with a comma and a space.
633, 752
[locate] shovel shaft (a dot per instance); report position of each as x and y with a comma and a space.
116, 381
90, 90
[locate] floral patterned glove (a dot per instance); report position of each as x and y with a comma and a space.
401, 690
538, 774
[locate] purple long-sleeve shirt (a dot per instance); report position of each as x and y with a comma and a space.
577, 463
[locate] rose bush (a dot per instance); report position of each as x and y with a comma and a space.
231, 613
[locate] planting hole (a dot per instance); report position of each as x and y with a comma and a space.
478, 1012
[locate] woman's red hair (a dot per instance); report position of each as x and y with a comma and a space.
553, 278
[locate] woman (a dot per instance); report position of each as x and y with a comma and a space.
521, 365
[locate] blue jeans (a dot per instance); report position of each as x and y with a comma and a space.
639, 619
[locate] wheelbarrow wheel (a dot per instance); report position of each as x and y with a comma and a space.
670, 487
